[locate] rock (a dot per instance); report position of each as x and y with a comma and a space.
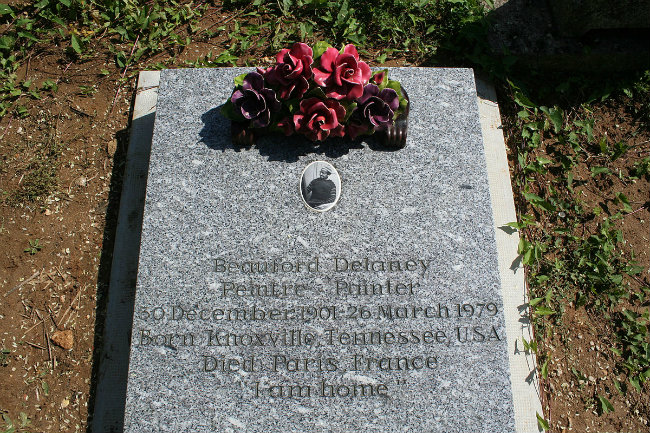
64, 339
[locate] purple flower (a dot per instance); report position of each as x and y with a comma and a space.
292, 71
254, 101
375, 110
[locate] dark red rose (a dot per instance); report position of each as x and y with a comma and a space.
318, 119
292, 71
342, 74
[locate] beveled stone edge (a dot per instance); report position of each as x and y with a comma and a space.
523, 365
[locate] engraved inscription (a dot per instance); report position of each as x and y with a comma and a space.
374, 321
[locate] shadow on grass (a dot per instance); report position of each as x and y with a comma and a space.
518, 42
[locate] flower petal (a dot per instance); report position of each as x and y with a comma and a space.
301, 50
253, 81
389, 96
368, 91
351, 49
355, 91
328, 59
320, 77
280, 56
339, 131
365, 72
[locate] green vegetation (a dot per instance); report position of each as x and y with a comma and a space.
34, 247
18, 426
131, 30
571, 242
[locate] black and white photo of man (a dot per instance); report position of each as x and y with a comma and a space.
320, 186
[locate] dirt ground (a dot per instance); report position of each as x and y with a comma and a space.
60, 177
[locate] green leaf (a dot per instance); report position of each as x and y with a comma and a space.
541, 422
65, 2
555, 115
635, 383
619, 387
395, 85
46, 387
75, 43
349, 108
602, 144
7, 43
42, 4
545, 369
239, 79
522, 100
316, 92
544, 311
319, 48
228, 110
24, 420
538, 201
605, 404
120, 59
6, 10
548, 296
535, 301
626, 202
595, 171
27, 35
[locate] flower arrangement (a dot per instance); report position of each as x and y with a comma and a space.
319, 93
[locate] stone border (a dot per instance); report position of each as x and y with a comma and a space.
523, 366
110, 393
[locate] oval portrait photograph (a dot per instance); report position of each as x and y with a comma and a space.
320, 186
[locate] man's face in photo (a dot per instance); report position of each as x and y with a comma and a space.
324, 174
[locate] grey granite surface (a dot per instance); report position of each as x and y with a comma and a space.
426, 207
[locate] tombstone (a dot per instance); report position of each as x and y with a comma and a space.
256, 311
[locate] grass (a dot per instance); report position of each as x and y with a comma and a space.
37, 166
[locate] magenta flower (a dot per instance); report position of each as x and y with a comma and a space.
378, 77
292, 71
254, 101
319, 119
375, 110
342, 74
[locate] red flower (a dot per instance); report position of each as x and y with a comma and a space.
319, 119
342, 74
378, 77
292, 71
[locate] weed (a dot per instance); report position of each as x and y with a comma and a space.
11, 427
87, 90
34, 247
566, 264
4, 357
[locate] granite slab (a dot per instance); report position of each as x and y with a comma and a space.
255, 313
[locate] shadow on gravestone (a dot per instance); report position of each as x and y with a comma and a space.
296, 146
